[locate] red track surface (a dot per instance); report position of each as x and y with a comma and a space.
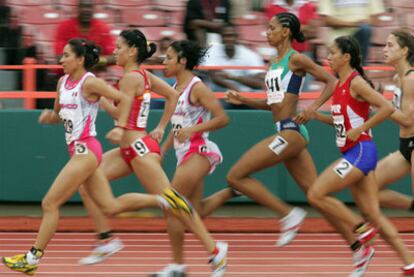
251, 254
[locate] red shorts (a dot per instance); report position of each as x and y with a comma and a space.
83, 146
139, 148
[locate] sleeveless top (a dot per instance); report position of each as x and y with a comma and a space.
348, 113
77, 113
280, 80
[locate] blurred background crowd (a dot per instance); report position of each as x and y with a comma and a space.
234, 31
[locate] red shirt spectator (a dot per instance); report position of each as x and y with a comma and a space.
99, 33
306, 11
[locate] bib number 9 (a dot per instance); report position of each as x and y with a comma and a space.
140, 147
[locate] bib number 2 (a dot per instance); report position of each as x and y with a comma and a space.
343, 168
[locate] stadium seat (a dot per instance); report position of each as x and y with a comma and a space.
169, 6
126, 4
380, 34
44, 32
29, 2
253, 34
251, 18
156, 33
174, 18
142, 17
42, 15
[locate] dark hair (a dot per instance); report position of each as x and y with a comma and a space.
289, 20
190, 50
348, 44
405, 39
84, 48
135, 38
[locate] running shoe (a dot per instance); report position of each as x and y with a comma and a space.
172, 270
291, 225
361, 258
219, 261
172, 200
366, 234
102, 251
19, 263
408, 270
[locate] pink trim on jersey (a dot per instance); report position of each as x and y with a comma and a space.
87, 130
189, 93
71, 84
195, 141
355, 112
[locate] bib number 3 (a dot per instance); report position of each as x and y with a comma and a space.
81, 148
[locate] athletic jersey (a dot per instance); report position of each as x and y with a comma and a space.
348, 113
77, 113
398, 94
187, 115
280, 80
138, 115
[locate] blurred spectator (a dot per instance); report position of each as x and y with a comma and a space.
351, 17
11, 36
85, 26
239, 8
205, 16
230, 53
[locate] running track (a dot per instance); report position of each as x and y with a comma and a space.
251, 254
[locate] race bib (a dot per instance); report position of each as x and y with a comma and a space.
278, 145
140, 147
275, 91
144, 111
343, 168
177, 124
81, 148
339, 124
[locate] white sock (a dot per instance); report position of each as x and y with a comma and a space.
163, 203
32, 259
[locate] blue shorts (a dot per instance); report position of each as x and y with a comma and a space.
363, 156
289, 124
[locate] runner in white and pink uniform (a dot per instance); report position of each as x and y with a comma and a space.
78, 115
197, 113
188, 115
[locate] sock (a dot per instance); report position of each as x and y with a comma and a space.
105, 235
215, 251
33, 256
408, 267
355, 246
412, 206
235, 193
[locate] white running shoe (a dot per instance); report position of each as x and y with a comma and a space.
102, 251
361, 260
172, 270
219, 261
291, 225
